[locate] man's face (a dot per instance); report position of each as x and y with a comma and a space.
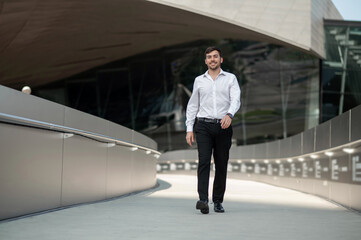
213, 60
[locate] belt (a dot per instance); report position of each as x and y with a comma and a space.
209, 120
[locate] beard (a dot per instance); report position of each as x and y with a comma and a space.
213, 67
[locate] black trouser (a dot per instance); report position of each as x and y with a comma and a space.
211, 137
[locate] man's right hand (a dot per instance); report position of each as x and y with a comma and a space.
190, 138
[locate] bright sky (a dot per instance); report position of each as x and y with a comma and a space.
349, 9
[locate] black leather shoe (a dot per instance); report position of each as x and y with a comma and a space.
203, 206
218, 207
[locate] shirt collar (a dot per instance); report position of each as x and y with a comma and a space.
206, 74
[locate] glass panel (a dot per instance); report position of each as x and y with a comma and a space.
341, 70
149, 92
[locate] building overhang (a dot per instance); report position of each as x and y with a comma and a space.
46, 41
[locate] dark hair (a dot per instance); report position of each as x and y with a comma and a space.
211, 49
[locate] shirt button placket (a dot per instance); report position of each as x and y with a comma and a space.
214, 100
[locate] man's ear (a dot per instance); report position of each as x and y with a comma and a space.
221, 60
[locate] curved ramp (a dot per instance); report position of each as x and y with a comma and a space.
253, 211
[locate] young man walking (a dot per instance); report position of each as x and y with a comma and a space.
214, 101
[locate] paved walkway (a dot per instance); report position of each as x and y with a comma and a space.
253, 211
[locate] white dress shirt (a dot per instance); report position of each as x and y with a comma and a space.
213, 98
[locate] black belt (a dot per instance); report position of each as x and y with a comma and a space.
209, 120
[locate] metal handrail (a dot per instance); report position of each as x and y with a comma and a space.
49, 126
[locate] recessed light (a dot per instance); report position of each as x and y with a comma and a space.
330, 154
348, 150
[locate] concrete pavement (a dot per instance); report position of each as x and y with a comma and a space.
253, 211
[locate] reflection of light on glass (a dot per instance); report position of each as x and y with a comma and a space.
148, 152
156, 156
348, 150
314, 156
278, 161
253, 161
133, 148
301, 159
239, 161
329, 154
111, 145
266, 161
289, 160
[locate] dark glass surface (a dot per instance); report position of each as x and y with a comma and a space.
341, 70
149, 92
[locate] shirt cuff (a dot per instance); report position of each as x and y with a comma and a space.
189, 128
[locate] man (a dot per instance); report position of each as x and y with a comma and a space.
214, 101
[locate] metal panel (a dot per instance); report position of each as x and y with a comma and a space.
307, 185
119, 132
308, 141
273, 149
233, 153
119, 163
355, 197
142, 140
321, 188
84, 170
340, 192
323, 136
178, 155
340, 130
296, 145
355, 123
28, 106
191, 154
83, 121
142, 175
286, 148
245, 152
260, 151
40, 170
30, 170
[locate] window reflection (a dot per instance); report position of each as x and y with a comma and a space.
149, 92
341, 70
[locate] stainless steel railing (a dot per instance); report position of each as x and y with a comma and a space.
54, 127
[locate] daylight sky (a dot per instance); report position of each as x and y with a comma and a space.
349, 9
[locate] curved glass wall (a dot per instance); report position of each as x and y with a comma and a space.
341, 70
149, 92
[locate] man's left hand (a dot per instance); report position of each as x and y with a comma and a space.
226, 122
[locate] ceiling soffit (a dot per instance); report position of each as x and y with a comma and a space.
45, 41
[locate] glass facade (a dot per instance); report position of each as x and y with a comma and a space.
149, 92
341, 70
